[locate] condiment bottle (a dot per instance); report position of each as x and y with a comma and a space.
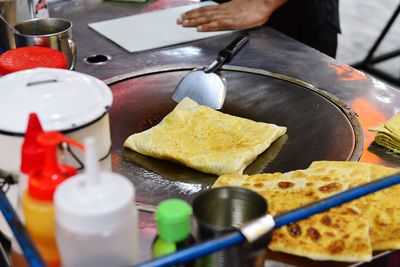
97, 220
37, 201
32, 153
32, 157
173, 228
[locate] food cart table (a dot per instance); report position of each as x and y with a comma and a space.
269, 53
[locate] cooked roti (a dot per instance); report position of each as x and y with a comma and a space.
281, 192
355, 173
205, 139
372, 222
342, 234
326, 236
394, 124
384, 212
286, 191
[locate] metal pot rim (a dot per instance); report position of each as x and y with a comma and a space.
42, 35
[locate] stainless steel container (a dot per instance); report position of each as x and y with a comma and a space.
54, 33
220, 211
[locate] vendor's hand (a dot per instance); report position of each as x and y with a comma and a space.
233, 15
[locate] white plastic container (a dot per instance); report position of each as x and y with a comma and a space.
97, 221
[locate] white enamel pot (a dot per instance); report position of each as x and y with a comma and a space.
73, 103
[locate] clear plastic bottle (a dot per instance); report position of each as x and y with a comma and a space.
97, 221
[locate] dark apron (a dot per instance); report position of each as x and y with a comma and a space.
312, 22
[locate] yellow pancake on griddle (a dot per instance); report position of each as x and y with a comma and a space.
384, 205
342, 234
326, 236
205, 139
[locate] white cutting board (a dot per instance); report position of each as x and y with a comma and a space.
151, 30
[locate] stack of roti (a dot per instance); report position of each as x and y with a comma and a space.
388, 134
205, 139
348, 233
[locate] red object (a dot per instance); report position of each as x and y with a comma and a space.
32, 151
30, 57
43, 181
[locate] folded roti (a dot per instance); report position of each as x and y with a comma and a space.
205, 139
385, 212
384, 205
389, 134
353, 173
342, 234
372, 222
326, 236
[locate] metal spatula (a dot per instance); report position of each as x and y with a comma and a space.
205, 85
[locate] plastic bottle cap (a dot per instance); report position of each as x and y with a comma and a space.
32, 152
94, 202
44, 180
173, 219
42, 187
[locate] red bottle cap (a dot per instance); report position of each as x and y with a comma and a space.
30, 57
32, 151
43, 181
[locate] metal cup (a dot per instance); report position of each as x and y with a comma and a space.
220, 211
54, 33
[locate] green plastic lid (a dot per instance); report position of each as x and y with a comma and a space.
173, 220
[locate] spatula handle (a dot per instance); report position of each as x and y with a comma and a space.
226, 55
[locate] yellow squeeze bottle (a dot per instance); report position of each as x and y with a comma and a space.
37, 201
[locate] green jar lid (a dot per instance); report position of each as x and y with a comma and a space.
173, 219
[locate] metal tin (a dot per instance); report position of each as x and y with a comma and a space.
222, 210
54, 33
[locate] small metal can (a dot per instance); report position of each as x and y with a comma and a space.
222, 210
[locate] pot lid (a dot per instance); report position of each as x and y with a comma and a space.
64, 100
